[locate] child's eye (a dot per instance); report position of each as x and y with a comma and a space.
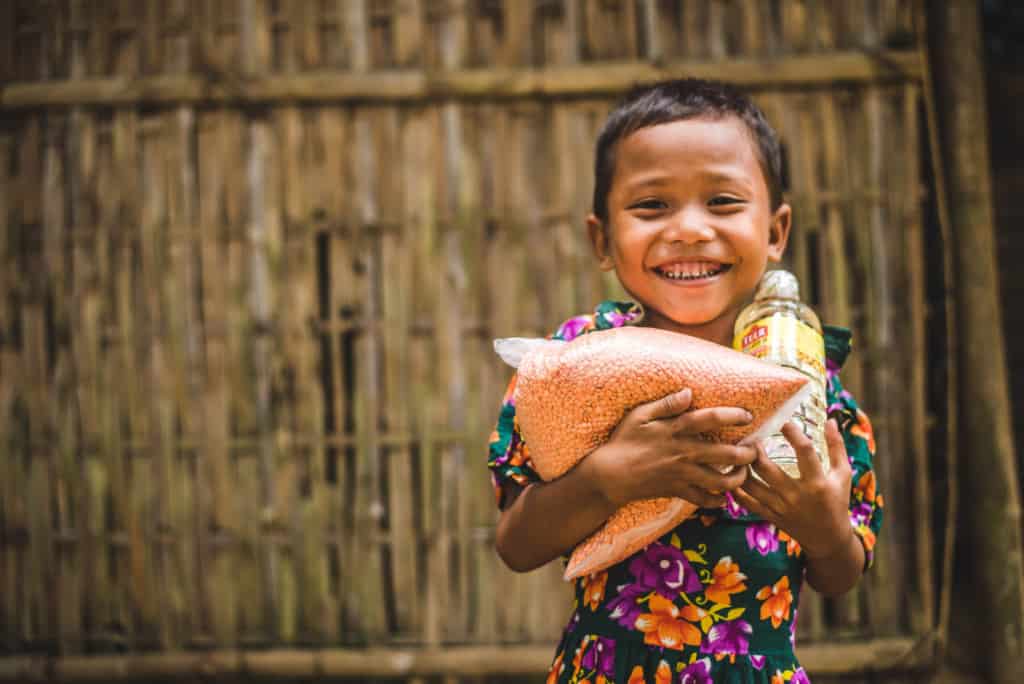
650, 204
724, 200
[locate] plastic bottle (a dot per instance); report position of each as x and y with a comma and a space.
778, 327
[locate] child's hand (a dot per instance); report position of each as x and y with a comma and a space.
657, 450
813, 509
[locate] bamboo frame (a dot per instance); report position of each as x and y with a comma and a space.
251, 305
895, 655
403, 86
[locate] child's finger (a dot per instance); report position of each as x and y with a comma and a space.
836, 447
724, 455
765, 495
772, 474
806, 456
710, 419
753, 505
668, 406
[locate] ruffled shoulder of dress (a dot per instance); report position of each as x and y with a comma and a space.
608, 314
838, 344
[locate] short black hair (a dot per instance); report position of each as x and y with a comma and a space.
675, 100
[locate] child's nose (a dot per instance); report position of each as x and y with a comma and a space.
689, 227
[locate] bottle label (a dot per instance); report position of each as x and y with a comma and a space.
784, 340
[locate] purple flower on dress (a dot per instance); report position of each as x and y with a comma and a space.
734, 509
664, 568
623, 608
697, 672
572, 328
831, 368
860, 514
761, 537
757, 661
800, 677
600, 656
617, 318
728, 638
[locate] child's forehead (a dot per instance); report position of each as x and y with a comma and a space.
722, 140
680, 135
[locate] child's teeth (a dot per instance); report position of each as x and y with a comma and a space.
690, 271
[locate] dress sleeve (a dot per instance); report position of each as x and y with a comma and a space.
866, 503
509, 459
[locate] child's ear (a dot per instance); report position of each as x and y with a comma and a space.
778, 232
599, 241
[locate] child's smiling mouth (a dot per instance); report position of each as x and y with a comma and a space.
691, 270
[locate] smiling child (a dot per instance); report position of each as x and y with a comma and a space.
688, 212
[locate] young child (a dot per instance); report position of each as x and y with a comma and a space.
688, 211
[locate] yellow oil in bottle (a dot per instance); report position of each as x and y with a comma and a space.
776, 326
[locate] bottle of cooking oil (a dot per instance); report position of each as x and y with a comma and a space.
778, 327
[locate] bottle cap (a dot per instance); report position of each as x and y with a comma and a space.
778, 284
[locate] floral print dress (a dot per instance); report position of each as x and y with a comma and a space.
716, 599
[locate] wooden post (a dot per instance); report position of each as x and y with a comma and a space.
990, 523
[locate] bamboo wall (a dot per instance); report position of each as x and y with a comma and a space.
253, 254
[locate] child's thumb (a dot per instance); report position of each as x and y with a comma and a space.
836, 446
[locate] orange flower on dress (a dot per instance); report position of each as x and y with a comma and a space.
593, 589
663, 626
726, 579
867, 536
556, 669
664, 673
636, 676
520, 454
792, 545
577, 660
777, 600
866, 486
778, 678
864, 430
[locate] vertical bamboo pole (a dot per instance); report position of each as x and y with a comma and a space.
309, 409
256, 56
10, 472
989, 474
126, 153
917, 396
186, 281
368, 508
428, 368
151, 493
335, 295
408, 390
78, 437
454, 292
885, 362
398, 274
214, 493
45, 174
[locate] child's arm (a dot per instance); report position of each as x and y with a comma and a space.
814, 509
655, 451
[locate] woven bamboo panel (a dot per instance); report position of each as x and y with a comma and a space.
246, 379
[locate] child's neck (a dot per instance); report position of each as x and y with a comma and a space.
719, 330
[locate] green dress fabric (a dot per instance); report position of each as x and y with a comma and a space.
714, 600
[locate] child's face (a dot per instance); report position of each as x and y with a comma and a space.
690, 225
